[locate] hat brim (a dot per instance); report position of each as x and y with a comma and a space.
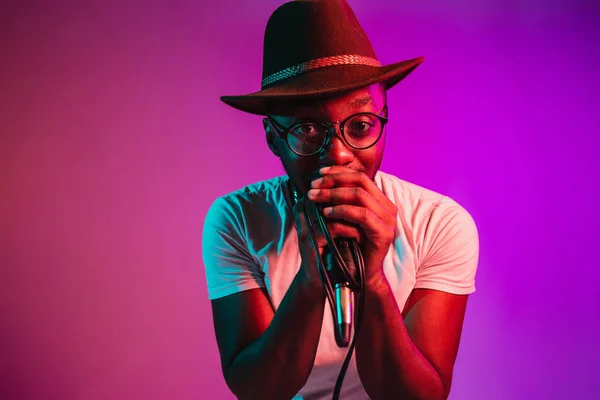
322, 82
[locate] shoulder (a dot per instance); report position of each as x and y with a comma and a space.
255, 198
399, 188
427, 211
445, 233
451, 225
412, 200
263, 190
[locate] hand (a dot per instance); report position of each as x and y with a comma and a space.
355, 199
307, 243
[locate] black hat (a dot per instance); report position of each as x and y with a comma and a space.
315, 48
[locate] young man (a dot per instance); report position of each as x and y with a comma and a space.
324, 100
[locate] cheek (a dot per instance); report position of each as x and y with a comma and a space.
290, 160
299, 166
371, 158
379, 147
288, 157
302, 170
375, 152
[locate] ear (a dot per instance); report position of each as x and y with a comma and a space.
270, 135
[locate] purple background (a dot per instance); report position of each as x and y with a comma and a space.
114, 143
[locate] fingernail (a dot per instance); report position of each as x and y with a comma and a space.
327, 210
313, 193
316, 182
324, 169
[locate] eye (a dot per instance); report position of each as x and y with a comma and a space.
307, 129
361, 125
306, 137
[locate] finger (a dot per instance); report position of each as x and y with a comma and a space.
339, 176
341, 229
334, 169
335, 228
349, 195
372, 225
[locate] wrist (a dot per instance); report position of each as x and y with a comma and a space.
377, 284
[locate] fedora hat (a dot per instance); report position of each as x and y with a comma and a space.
316, 48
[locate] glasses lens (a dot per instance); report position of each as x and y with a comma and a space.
307, 138
362, 130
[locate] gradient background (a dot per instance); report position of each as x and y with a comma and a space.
114, 143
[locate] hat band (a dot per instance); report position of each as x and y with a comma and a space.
320, 63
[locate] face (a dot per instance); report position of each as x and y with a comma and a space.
303, 169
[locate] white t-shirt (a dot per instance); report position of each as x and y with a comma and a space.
250, 241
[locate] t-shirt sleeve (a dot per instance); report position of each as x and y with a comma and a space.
451, 250
229, 265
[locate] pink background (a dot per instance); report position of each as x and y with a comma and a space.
113, 143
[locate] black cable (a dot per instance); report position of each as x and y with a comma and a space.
361, 305
324, 277
355, 285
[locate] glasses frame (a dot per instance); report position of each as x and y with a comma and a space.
330, 131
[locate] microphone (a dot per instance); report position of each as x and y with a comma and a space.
343, 295
342, 298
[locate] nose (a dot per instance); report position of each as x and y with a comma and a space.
337, 151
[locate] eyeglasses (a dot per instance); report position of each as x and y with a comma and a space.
359, 131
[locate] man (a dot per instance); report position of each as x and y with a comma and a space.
273, 325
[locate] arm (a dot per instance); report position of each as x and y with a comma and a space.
411, 358
269, 355
419, 351
264, 354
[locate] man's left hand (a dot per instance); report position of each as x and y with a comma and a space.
354, 198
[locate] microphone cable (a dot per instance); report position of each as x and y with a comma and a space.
356, 285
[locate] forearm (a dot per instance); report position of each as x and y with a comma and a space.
389, 364
278, 363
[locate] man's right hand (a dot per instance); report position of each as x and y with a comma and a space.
309, 266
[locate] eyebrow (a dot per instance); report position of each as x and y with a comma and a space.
361, 101
356, 103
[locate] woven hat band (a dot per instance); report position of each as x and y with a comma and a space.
350, 59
